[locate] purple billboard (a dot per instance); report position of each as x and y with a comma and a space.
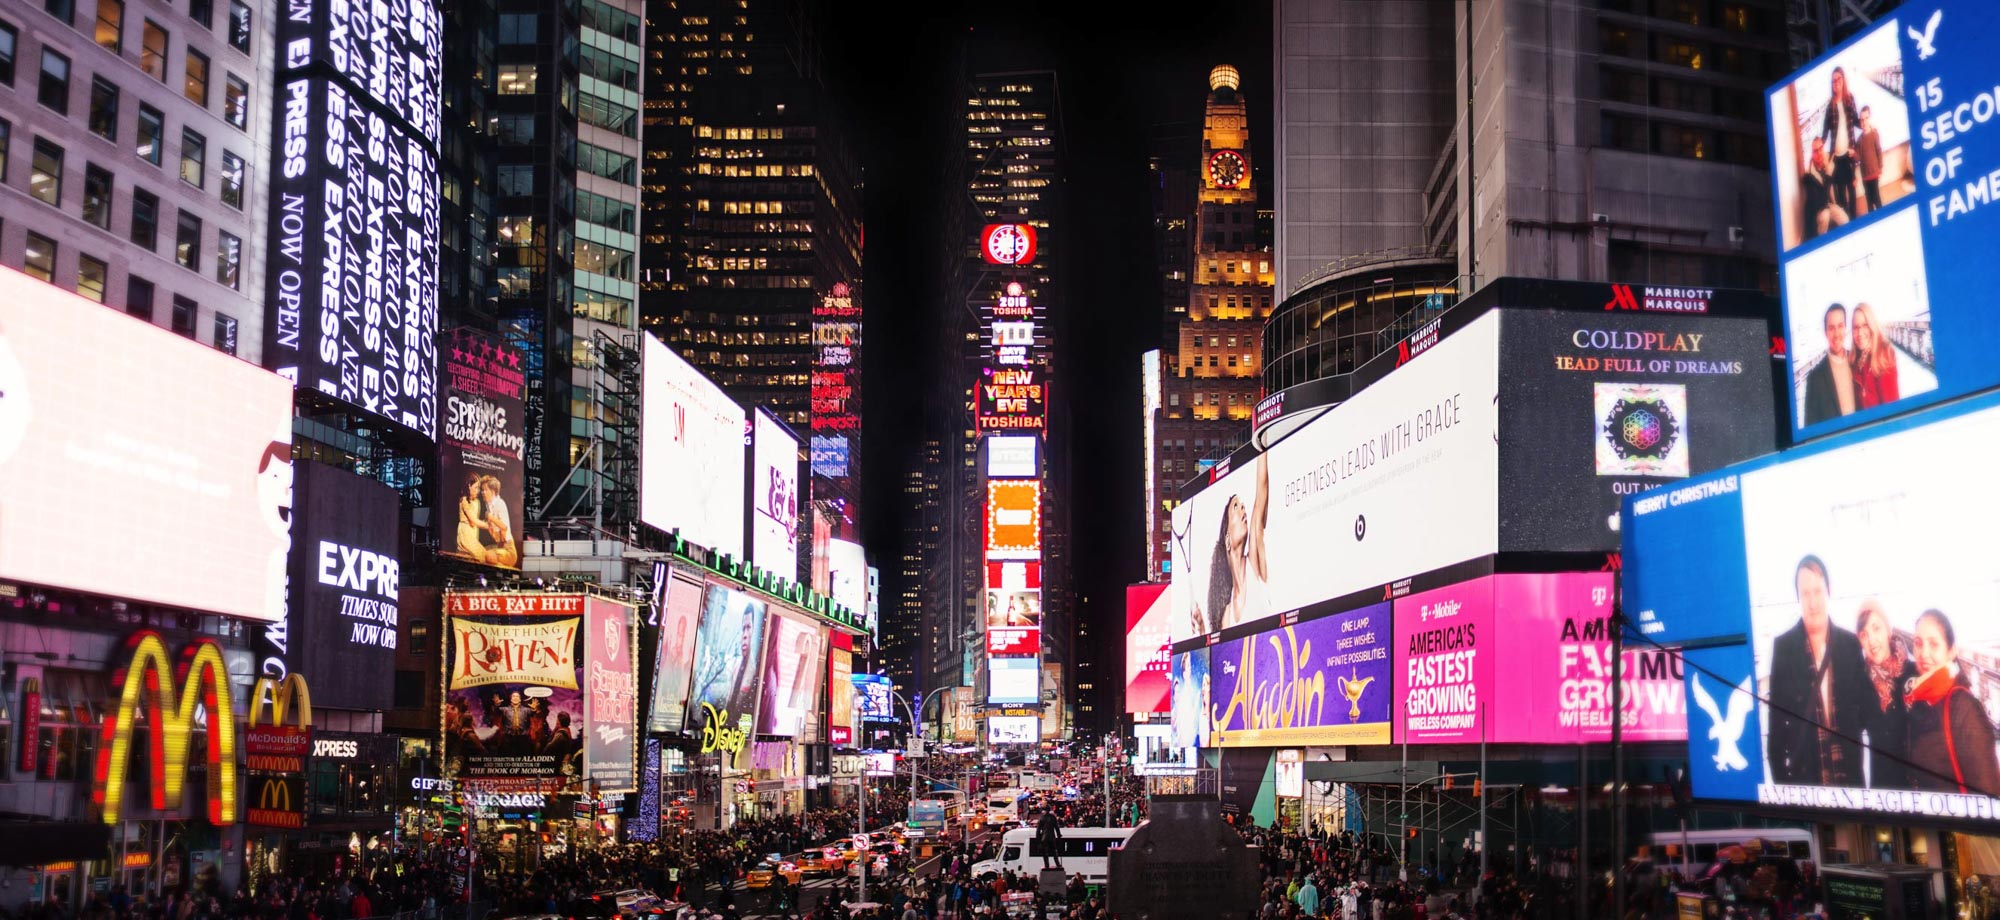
1321, 681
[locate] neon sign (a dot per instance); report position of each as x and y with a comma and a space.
278, 748
1012, 398
170, 717
716, 737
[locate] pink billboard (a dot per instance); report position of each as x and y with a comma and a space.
1147, 639
139, 464
1526, 659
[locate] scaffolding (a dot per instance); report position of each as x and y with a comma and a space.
601, 487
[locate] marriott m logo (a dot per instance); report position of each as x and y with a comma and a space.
1622, 298
199, 678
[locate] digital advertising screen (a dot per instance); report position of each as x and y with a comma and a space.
1320, 681
794, 656
1013, 608
1352, 499
1148, 687
829, 456
1883, 188
1013, 730
345, 577
840, 697
836, 367
1598, 406
871, 698
611, 702
1870, 606
1012, 398
1013, 641
847, 574
1013, 681
481, 449
513, 702
679, 602
95, 412
1190, 704
352, 277
1157, 755
1543, 679
691, 453
1010, 456
774, 496
391, 52
1014, 519
727, 656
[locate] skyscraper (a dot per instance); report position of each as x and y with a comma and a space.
1209, 368
131, 129
753, 223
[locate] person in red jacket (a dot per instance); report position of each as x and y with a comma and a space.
1951, 737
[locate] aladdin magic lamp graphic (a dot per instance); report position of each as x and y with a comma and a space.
1351, 687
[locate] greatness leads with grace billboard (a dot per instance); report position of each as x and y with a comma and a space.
691, 453
1862, 574
95, 412
1397, 480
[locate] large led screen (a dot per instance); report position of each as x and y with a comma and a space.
611, 701
1858, 576
840, 697
1013, 455
1886, 278
1190, 719
1013, 681
98, 412
481, 450
1353, 499
1013, 730
727, 654
345, 579
1014, 519
794, 656
690, 453
871, 698
1319, 681
1543, 679
1598, 406
389, 51
774, 496
513, 701
1148, 687
352, 280
847, 574
678, 601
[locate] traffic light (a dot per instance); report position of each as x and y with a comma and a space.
1475, 787
1448, 780
1413, 833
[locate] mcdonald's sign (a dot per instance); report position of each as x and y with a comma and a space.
199, 677
278, 748
277, 800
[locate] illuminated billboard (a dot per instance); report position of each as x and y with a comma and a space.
1014, 519
391, 52
691, 453
774, 496
481, 459
1012, 456
727, 654
96, 414
1870, 546
829, 456
836, 366
847, 574
1013, 641
1320, 681
840, 693
611, 698
1007, 244
1012, 399
1013, 682
513, 701
344, 577
794, 656
1013, 729
677, 601
1147, 686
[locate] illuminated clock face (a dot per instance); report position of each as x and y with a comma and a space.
1227, 169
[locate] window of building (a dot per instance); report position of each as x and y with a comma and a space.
145, 219
605, 212
97, 196
610, 20
515, 128
53, 91
153, 51
1676, 51
64, 10
6, 146
239, 25
236, 102
185, 311
39, 259
139, 297
10, 41
611, 68
152, 139
194, 83
1684, 141
519, 28
111, 25
600, 259
203, 12
1618, 40
603, 113
224, 330
516, 179
228, 260
91, 277
1622, 132
104, 108
232, 175
187, 241
194, 157
517, 79
45, 173
516, 231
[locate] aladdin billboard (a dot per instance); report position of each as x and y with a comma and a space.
1320, 681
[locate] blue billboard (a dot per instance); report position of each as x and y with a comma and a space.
1839, 612
1887, 190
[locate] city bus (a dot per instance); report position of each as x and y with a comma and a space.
931, 817
1086, 852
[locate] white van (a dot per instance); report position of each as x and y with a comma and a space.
1003, 806
1701, 846
1086, 852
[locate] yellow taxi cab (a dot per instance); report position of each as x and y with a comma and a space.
823, 861
767, 873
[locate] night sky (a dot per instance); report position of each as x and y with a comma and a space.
1118, 77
